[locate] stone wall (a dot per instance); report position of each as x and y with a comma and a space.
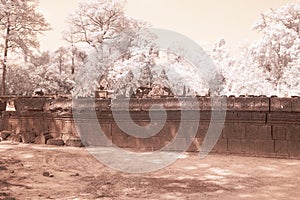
254, 126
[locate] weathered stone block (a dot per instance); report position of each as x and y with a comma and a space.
47, 115
171, 104
239, 104
283, 118
264, 132
56, 126
56, 134
202, 130
26, 123
8, 114
144, 104
168, 132
205, 116
196, 145
294, 148
145, 143
104, 117
293, 132
187, 130
281, 147
4, 135
2, 105
158, 144
265, 104
1, 123
13, 124
231, 116
15, 138
42, 138
279, 132
230, 103
56, 142
281, 104
245, 117
248, 146
229, 131
233, 131
61, 104
180, 144
221, 146
29, 104
251, 132
102, 105
100, 141
66, 126
257, 117
296, 104
74, 142
206, 103
107, 129
119, 138
264, 147
134, 105
47, 122
249, 104
262, 104
38, 125
120, 141
258, 147
217, 104
91, 135
235, 146
28, 137
137, 143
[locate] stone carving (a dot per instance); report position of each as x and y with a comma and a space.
161, 86
146, 77
128, 86
156, 91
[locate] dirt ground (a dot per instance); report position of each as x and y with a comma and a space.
46, 172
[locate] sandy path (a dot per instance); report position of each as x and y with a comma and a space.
77, 175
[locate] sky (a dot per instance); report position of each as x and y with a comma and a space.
203, 21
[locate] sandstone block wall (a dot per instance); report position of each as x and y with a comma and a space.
255, 126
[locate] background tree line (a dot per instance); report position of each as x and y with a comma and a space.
100, 34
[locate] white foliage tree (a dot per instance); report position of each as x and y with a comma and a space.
46, 71
279, 45
20, 24
240, 75
110, 35
291, 79
180, 72
225, 65
97, 21
247, 78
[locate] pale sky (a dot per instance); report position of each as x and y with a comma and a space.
202, 21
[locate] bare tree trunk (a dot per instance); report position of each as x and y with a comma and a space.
73, 65
278, 89
73, 60
60, 66
3, 91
